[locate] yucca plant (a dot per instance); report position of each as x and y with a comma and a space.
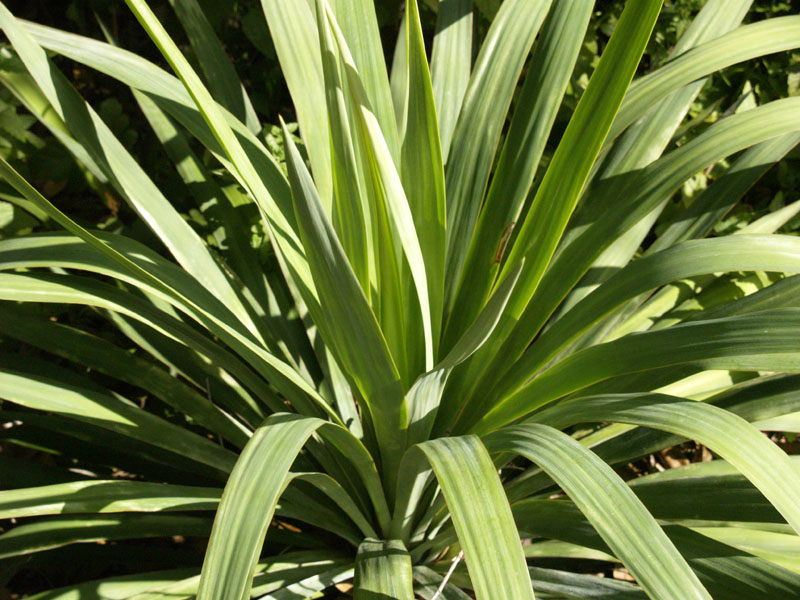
400, 385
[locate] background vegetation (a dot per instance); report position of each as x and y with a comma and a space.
241, 27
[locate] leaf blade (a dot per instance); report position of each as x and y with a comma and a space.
614, 511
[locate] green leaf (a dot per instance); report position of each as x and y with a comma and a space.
24, 87
614, 511
45, 534
480, 123
397, 78
98, 354
425, 395
644, 142
479, 510
75, 290
259, 478
181, 584
310, 586
217, 67
563, 181
355, 335
359, 26
242, 167
105, 497
294, 33
451, 60
776, 547
171, 96
284, 336
383, 570
332, 491
539, 101
576, 585
771, 221
121, 169
350, 210
766, 340
767, 253
710, 491
422, 171
735, 440
389, 188
110, 413
726, 572
750, 41
582, 244
428, 584
754, 400
132, 262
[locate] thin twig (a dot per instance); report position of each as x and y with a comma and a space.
456, 560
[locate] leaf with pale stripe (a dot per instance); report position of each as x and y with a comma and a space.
111, 496
356, 337
259, 478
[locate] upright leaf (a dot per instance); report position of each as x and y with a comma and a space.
563, 181
540, 98
294, 33
356, 337
479, 510
645, 140
383, 570
389, 188
359, 25
422, 173
480, 123
425, 395
217, 67
350, 213
451, 62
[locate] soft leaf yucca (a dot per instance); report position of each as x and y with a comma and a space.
441, 354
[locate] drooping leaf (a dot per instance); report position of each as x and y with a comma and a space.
730, 436
621, 520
